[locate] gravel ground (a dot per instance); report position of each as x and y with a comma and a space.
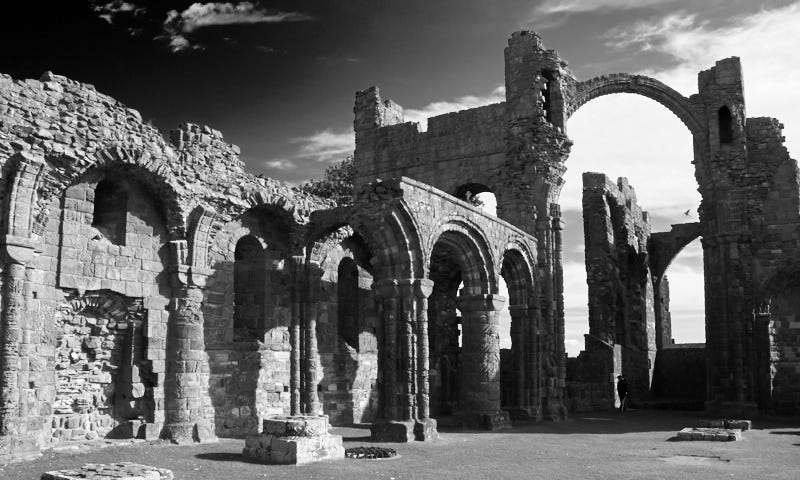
640, 444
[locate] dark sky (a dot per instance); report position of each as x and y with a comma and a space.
269, 85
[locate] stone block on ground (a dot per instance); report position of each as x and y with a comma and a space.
121, 470
710, 434
393, 431
294, 440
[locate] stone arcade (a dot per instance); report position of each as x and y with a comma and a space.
151, 288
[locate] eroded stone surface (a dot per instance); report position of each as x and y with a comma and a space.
710, 434
106, 471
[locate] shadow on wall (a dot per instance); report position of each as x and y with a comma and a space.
347, 335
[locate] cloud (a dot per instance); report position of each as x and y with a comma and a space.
108, 11
421, 115
554, 13
178, 25
550, 7
326, 146
280, 164
765, 41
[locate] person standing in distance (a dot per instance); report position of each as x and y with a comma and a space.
624, 391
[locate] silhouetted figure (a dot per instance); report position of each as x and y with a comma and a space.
624, 391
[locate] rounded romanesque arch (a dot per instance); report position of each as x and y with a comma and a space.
640, 85
151, 171
517, 269
470, 248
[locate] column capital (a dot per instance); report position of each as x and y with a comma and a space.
19, 249
475, 303
190, 276
403, 287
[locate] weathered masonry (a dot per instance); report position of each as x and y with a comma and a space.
151, 288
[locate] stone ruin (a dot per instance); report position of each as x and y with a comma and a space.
152, 288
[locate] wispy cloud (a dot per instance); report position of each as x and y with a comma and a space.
280, 164
758, 39
178, 26
108, 11
421, 115
554, 13
326, 146
550, 7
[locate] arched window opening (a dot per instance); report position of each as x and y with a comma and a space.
478, 195
249, 284
348, 302
111, 210
546, 94
725, 120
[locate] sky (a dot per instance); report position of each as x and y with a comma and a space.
278, 78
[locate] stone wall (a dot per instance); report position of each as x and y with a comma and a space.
679, 380
621, 292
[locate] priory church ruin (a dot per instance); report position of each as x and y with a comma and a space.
151, 288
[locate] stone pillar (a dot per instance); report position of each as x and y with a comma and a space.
480, 363
404, 354
557, 410
189, 415
423, 291
426, 427
300, 287
521, 350
15, 441
311, 350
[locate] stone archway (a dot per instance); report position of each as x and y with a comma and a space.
470, 389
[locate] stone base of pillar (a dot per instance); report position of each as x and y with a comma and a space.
483, 420
425, 430
294, 440
393, 431
554, 410
18, 448
524, 413
187, 433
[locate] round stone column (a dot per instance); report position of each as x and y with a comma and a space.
188, 411
479, 395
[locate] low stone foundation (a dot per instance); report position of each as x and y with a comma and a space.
710, 434
122, 470
294, 440
738, 424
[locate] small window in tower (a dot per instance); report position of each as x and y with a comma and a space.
725, 120
111, 210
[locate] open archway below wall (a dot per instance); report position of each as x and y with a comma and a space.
622, 135
686, 295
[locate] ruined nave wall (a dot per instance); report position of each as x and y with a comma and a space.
457, 149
